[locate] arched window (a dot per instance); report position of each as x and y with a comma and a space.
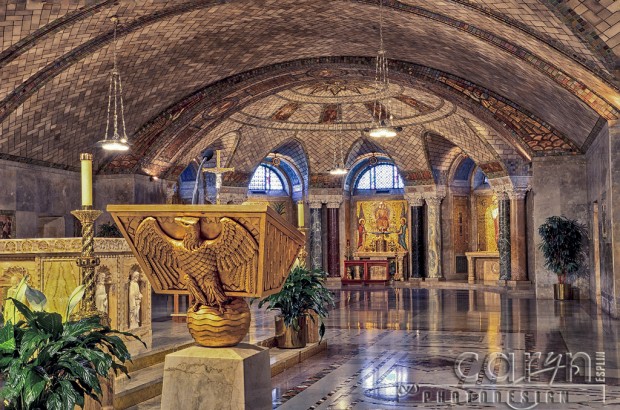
383, 176
266, 179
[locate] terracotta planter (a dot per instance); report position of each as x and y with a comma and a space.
562, 291
288, 337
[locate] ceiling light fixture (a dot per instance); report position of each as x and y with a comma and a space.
383, 121
115, 138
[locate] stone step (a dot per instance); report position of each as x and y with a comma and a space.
147, 372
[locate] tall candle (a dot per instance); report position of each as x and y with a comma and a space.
300, 214
87, 179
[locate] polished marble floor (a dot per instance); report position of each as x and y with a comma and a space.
391, 348
398, 348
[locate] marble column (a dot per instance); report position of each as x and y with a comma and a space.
433, 215
518, 250
503, 242
417, 238
333, 240
316, 233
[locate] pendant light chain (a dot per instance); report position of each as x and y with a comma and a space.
382, 118
117, 141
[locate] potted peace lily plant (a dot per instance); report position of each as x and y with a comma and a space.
562, 248
48, 364
303, 301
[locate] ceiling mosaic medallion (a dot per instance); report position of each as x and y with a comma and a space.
218, 108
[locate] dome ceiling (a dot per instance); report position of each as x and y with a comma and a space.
343, 104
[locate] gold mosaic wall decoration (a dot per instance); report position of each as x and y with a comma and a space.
460, 224
487, 223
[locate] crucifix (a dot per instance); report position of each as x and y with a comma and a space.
218, 170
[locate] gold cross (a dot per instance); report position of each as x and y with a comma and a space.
218, 170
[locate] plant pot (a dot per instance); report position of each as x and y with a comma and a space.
562, 291
289, 338
312, 327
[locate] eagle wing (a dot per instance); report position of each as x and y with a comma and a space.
236, 252
157, 250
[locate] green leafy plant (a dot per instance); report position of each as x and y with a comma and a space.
48, 364
109, 230
304, 290
562, 246
279, 207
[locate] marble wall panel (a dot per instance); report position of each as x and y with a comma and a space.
559, 187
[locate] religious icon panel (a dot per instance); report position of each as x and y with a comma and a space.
381, 226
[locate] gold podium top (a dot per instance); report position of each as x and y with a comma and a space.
250, 247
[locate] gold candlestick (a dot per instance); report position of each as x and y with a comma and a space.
87, 261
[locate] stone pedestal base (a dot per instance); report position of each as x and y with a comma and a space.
434, 279
217, 378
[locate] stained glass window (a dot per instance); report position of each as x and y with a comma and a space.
383, 176
266, 179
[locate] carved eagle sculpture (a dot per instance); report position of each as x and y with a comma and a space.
210, 266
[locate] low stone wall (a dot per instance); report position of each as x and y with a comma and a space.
50, 264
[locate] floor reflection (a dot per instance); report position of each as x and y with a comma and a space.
397, 348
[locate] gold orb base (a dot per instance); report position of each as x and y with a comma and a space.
211, 328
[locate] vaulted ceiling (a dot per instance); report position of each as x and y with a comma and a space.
499, 81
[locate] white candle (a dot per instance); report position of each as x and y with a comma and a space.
87, 179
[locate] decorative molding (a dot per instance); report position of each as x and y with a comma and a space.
61, 245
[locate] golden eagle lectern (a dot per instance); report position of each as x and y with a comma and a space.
219, 253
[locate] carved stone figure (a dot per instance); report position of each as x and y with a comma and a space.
101, 295
135, 300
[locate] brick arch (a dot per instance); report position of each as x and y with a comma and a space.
184, 125
93, 44
63, 72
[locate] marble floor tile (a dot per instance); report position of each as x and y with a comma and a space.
397, 348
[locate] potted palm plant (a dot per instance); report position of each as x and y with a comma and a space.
48, 364
303, 300
562, 248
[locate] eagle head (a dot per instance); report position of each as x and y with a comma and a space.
192, 231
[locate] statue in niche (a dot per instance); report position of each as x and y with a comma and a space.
135, 300
101, 295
